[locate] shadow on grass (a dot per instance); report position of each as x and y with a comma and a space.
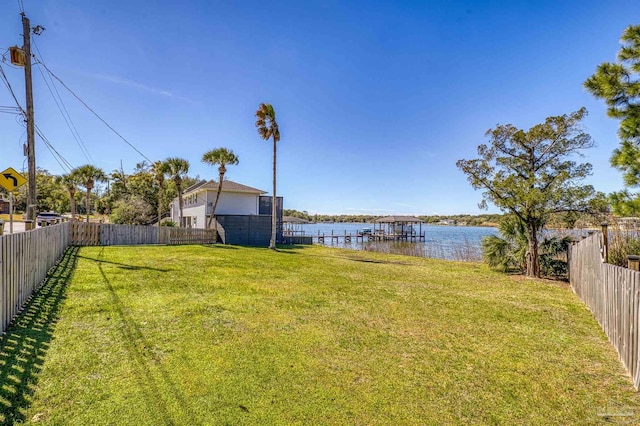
219, 246
154, 382
360, 259
124, 265
285, 248
26, 341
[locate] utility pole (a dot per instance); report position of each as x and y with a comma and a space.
31, 150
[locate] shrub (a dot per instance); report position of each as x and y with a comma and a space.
622, 244
131, 211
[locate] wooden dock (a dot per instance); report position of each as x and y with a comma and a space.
332, 238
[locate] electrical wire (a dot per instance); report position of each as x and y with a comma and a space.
96, 114
65, 113
10, 110
21, 6
56, 155
5, 80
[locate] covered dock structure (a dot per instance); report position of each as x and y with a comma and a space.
399, 228
293, 225
292, 231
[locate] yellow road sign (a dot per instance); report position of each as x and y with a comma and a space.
10, 179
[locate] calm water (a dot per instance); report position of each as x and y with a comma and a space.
444, 242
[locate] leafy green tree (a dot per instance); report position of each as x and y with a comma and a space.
70, 182
531, 174
142, 185
268, 129
177, 169
88, 176
159, 170
507, 251
131, 210
619, 85
221, 157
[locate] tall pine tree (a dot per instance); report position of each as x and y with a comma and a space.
619, 85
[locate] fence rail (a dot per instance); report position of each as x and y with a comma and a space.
612, 293
26, 257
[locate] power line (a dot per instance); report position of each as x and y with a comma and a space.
56, 155
95, 113
65, 114
21, 6
5, 80
10, 110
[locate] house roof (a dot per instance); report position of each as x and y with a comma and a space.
227, 186
398, 219
194, 186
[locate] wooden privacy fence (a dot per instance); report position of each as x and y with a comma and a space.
612, 294
25, 258
104, 234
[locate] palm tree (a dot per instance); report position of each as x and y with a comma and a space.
221, 157
88, 175
177, 169
70, 182
159, 169
508, 250
268, 128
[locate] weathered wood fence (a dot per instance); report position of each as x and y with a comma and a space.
104, 234
26, 257
612, 293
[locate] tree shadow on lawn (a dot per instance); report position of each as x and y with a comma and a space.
143, 354
123, 265
24, 345
219, 246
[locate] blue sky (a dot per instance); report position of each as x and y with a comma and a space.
376, 100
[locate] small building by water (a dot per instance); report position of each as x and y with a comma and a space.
399, 228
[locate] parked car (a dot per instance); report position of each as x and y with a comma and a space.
47, 218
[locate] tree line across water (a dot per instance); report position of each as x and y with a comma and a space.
459, 219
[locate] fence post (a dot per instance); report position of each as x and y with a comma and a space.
633, 262
605, 241
1, 227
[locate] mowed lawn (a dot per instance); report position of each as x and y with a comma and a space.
228, 335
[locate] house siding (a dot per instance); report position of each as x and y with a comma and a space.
230, 203
234, 203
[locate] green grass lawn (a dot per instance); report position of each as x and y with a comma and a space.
227, 335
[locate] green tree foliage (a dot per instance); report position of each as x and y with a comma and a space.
70, 183
531, 174
132, 210
177, 169
159, 170
268, 129
88, 175
507, 251
618, 84
49, 197
220, 157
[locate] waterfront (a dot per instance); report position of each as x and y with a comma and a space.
443, 242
